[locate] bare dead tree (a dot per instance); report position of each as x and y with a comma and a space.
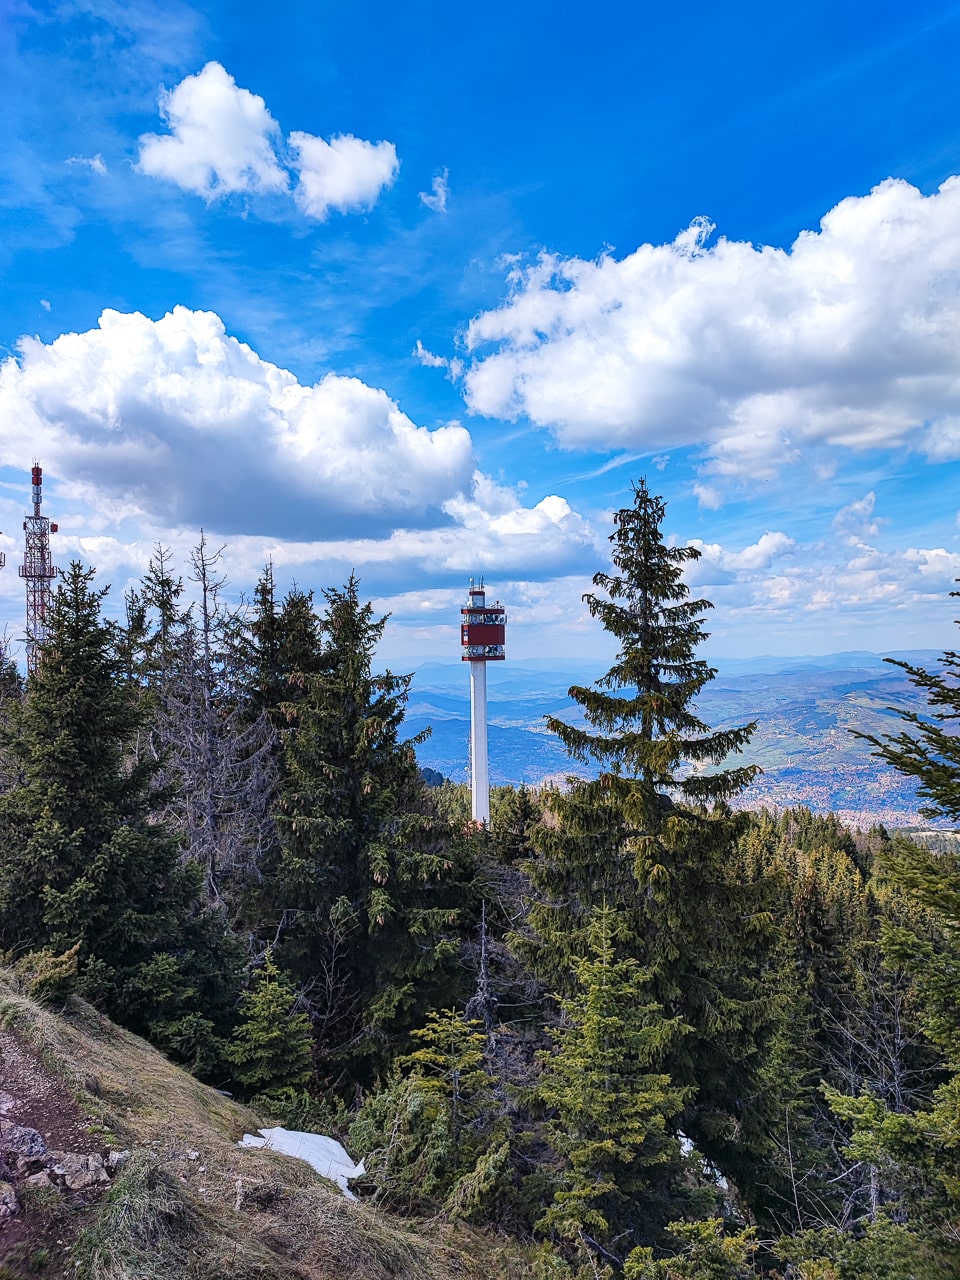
218, 759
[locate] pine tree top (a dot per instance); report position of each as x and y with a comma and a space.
642, 711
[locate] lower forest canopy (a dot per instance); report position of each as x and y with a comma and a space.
641, 1033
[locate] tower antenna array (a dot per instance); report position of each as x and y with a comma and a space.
37, 570
482, 635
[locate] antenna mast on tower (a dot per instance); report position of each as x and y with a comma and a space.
37, 571
482, 635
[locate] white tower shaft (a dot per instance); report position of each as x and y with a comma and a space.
482, 636
480, 771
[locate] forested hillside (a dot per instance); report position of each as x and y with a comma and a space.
636, 1030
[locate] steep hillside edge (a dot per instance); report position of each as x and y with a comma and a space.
186, 1201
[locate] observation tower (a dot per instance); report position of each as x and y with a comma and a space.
37, 571
482, 634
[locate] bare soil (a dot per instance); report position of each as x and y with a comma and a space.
37, 1241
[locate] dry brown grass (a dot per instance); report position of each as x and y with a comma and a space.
192, 1203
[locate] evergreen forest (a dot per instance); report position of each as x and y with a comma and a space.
638, 1030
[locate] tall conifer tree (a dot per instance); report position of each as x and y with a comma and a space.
366, 890
641, 838
83, 859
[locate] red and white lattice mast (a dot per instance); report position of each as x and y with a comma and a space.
37, 570
482, 634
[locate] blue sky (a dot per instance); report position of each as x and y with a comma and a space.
418, 290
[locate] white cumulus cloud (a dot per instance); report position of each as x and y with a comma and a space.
489, 531
344, 173
719, 564
847, 340
221, 138
187, 424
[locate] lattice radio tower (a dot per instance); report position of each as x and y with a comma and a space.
37, 571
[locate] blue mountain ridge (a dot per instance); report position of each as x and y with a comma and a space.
804, 708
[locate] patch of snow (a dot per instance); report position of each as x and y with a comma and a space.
326, 1155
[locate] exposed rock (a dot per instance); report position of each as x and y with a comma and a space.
9, 1204
8, 1103
115, 1161
41, 1179
31, 1164
20, 1139
77, 1172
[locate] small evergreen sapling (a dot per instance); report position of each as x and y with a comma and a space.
271, 1047
437, 1133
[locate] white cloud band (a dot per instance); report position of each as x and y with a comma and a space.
849, 339
186, 423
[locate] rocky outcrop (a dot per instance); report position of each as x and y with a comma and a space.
25, 1158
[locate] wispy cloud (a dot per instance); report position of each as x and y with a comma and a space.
857, 521
96, 163
707, 496
454, 366
436, 197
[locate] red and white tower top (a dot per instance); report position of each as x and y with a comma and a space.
483, 630
483, 627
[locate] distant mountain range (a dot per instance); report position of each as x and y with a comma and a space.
804, 708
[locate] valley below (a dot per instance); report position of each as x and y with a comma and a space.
805, 709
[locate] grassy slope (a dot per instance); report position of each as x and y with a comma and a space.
227, 1211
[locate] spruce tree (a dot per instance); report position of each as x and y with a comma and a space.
271, 1046
644, 727
367, 891
926, 749
652, 837
929, 752
436, 1132
283, 645
923, 1149
83, 859
610, 1108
